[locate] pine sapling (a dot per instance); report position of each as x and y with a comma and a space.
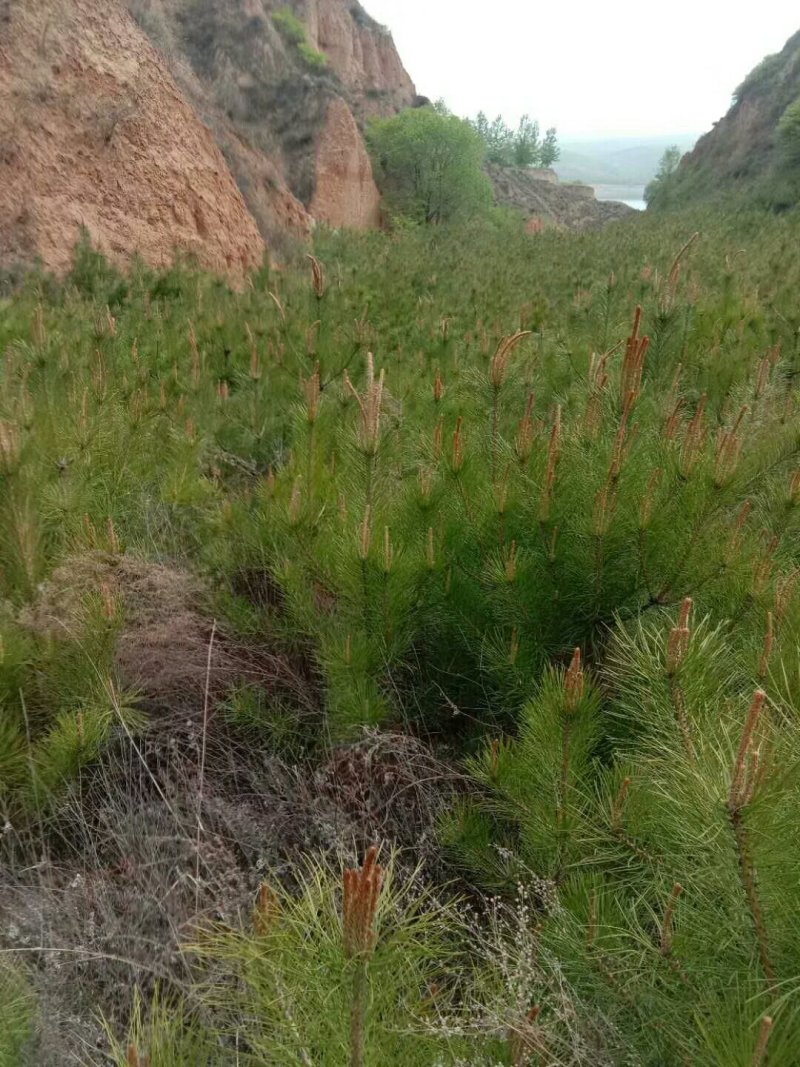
553, 456
362, 890
667, 922
369, 433
317, 277
498, 369
523, 442
677, 649
574, 687
312, 391
747, 776
633, 362
760, 1051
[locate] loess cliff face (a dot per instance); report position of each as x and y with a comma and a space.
96, 134
362, 53
345, 193
286, 88
197, 126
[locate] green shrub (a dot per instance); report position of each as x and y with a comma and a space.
293, 31
762, 78
291, 27
789, 131
428, 165
312, 57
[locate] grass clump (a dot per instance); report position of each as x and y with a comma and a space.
17, 1015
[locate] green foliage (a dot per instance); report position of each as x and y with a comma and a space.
549, 153
294, 979
789, 131
657, 192
164, 1033
293, 31
17, 1014
522, 147
428, 165
631, 805
761, 78
311, 56
291, 27
750, 155
436, 467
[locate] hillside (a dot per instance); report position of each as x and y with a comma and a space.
216, 131
286, 90
755, 148
399, 655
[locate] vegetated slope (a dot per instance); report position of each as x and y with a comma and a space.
415, 542
286, 88
568, 205
750, 149
94, 133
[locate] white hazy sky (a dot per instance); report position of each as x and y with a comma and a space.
615, 68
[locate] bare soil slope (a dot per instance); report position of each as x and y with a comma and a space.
95, 133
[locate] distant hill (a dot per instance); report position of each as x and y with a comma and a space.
755, 148
616, 161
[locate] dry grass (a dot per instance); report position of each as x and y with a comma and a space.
99, 901
163, 647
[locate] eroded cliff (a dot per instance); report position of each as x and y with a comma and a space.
754, 149
192, 126
96, 134
293, 84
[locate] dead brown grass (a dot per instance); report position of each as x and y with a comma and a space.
163, 647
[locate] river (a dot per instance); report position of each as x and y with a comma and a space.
632, 195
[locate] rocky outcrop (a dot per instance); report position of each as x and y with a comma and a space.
96, 134
573, 207
346, 193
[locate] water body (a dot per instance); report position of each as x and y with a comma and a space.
632, 195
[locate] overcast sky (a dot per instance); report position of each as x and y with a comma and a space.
618, 68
